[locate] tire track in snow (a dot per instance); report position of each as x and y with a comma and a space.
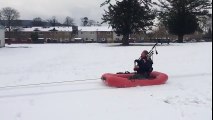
54, 92
48, 84
191, 75
69, 83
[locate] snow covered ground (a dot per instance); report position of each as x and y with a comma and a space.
186, 96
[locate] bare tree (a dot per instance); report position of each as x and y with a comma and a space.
205, 23
69, 21
53, 21
37, 22
92, 23
98, 24
85, 21
9, 15
161, 31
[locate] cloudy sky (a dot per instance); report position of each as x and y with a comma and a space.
60, 8
45, 9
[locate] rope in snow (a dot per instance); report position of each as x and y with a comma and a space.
85, 80
54, 92
47, 83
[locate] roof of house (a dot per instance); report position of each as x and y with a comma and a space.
47, 29
68, 29
95, 28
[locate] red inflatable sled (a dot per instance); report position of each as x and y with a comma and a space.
122, 80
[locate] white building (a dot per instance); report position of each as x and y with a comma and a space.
88, 34
2, 36
96, 33
117, 38
100, 34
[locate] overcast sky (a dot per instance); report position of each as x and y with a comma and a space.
45, 9
60, 8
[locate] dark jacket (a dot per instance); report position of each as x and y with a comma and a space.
145, 66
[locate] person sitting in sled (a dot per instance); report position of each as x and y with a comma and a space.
143, 66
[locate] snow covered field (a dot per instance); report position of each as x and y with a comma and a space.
186, 96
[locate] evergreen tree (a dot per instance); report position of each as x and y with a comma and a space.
181, 17
35, 37
128, 17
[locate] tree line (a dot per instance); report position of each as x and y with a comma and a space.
9, 17
68, 21
126, 17
178, 17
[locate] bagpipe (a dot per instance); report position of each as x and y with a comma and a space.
149, 56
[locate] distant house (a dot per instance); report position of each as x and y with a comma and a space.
96, 34
105, 34
45, 34
61, 34
2, 36
88, 34
17, 37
